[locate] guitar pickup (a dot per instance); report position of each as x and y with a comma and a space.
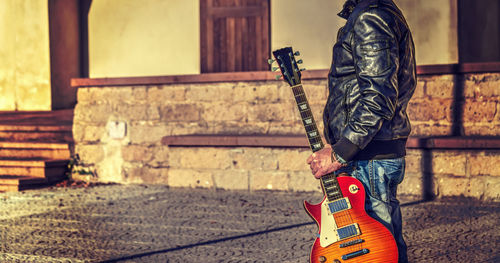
348, 231
338, 205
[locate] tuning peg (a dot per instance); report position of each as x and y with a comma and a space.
275, 69
299, 61
270, 61
277, 77
297, 53
302, 69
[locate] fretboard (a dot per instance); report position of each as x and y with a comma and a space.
306, 115
329, 182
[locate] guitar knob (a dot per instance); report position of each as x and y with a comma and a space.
322, 259
336, 261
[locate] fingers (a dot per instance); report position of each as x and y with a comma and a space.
311, 158
324, 170
321, 162
318, 174
321, 171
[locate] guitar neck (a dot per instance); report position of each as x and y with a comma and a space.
329, 182
313, 135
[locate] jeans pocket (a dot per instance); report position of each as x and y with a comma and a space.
385, 176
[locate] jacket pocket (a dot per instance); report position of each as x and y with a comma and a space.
374, 57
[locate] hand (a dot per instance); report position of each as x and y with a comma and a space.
321, 162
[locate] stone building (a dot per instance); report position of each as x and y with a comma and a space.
178, 92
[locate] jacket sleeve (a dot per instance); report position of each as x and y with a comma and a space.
376, 59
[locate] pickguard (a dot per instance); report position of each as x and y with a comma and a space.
328, 228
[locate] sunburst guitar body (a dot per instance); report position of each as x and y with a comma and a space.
370, 240
347, 234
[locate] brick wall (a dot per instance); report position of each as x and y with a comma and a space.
134, 153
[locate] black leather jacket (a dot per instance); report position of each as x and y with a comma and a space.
371, 80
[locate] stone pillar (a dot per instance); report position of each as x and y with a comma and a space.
64, 28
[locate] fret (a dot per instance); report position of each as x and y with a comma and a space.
331, 188
334, 194
309, 129
301, 100
328, 180
316, 139
313, 125
306, 114
301, 95
333, 197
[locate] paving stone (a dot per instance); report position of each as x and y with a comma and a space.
152, 223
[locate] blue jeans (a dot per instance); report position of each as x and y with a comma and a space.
380, 179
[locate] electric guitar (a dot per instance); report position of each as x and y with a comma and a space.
346, 232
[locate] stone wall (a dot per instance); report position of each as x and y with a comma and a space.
118, 132
470, 103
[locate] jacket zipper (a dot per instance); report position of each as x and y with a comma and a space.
346, 107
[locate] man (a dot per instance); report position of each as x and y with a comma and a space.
371, 80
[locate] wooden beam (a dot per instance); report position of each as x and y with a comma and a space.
236, 140
298, 141
267, 76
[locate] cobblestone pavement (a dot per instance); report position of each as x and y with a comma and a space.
116, 223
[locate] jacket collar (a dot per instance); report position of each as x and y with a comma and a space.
348, 8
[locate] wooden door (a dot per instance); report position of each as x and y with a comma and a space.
234, 35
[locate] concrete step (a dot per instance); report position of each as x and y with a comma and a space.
55, 117
36, 127
35, 136
42, 126
52, 170
18, 183
34, 150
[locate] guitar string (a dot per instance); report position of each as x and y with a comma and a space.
301, 98
345, 217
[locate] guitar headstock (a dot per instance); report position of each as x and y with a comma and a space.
290, 71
